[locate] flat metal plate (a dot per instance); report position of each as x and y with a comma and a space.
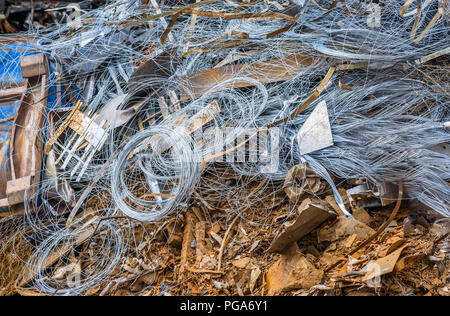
316, 134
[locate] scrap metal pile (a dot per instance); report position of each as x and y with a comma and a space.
226, 147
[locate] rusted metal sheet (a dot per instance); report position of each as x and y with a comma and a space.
265, 72
34, 65
310, 216
315, 133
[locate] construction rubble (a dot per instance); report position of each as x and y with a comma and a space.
225, 147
